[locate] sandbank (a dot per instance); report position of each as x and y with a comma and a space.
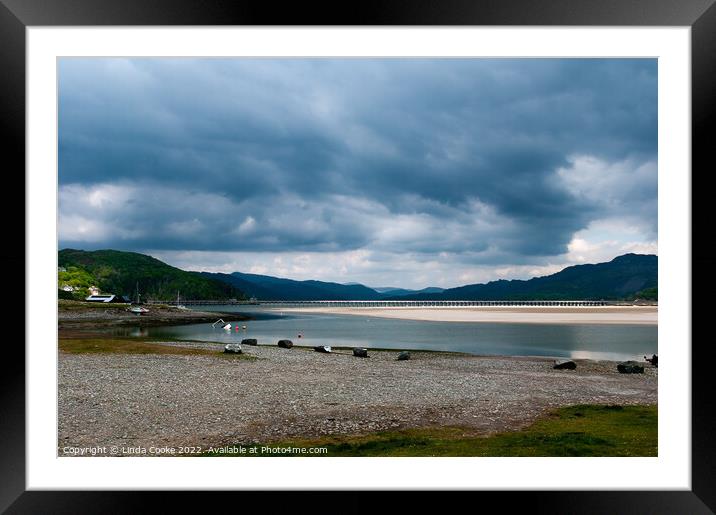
640, 315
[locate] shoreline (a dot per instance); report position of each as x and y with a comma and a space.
284, 394
84, 333
130, 392
76, 315
82, 315
613, 315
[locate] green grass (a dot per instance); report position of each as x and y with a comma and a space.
583, 430
78, 305
119, 345
120, 272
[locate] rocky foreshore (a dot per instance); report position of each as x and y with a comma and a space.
83, 315
138, 401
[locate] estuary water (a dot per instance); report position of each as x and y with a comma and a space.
588, 341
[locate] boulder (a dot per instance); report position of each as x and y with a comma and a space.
249, 341
630, 367
564, 364
403, 355
360, 353
285, 344
322, 348
232, 348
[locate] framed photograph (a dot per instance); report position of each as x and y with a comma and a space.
421, 244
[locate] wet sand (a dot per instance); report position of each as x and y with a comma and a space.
640, 315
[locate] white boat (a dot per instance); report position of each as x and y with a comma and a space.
180, 306
225, 327
137, 308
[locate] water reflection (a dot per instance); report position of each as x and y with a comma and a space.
614, 342
138, 331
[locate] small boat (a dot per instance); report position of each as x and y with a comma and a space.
180, 306
137, 307
226, 326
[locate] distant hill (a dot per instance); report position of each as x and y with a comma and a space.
631, 276
119, 272
625, 277
266, 287
647, 294
385, 289
401, 292
622, 277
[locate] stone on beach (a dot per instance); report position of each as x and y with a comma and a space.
322, 348
249, 341
360, 353
285, 344
232, 348
403, 355
254, 398
564, 364
630, 367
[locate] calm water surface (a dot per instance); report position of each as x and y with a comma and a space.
589, 341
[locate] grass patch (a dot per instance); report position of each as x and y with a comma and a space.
582, 430
118, 345
78, 305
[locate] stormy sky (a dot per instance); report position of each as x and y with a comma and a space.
388, 172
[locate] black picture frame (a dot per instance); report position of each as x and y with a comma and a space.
17, 15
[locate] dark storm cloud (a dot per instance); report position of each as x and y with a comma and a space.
267, 154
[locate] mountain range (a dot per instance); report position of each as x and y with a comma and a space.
266, 287
624, 277
627, 276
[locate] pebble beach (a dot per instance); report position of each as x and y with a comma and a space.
144, 400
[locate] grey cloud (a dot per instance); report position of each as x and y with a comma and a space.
412, 136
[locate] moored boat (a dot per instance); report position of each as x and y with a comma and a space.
180, 306
137, 307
